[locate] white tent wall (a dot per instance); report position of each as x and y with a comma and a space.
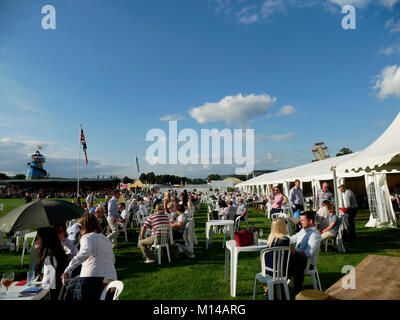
382, 214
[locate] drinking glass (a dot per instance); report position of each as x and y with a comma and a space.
7, 280
261, 232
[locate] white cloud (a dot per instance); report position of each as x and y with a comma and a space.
390, 50
276, 137
172, 117
356, 3
246, 17
271, 7
388, 82
284, 111
379, 124
237, 110
389, 3
393, 25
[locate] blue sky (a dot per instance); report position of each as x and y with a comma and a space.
120, 67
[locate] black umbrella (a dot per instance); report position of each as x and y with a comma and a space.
37, 214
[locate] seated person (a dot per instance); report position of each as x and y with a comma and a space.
307, 242
100, 215
172, 212
143, 208
73, 233
178, 227
133, 207
68, 246
52, 254
156, 219
332, 229
123, 220
277, 238
229, 213
91, 208
322, 217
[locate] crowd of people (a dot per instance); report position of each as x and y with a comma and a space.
86, 247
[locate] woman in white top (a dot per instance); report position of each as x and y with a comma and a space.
323, 215
51, 258
96, 257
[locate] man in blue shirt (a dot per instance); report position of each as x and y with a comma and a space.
113, 215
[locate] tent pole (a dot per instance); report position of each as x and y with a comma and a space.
335, 186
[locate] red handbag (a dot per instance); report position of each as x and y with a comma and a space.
243, 238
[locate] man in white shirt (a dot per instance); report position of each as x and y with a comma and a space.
113, 215
91, 198
296, 197
307, 242
124, 217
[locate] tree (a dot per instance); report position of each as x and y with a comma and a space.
3, 176
214, 177
151, 178
126, 180
19, 177
343, 151
143, 178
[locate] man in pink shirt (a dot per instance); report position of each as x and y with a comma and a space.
276, 203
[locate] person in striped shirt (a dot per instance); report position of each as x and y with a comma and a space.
156, 219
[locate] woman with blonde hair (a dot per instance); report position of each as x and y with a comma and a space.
167, 199
277, 238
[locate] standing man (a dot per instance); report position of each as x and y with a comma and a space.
324, 194
296, 197
91, 198
113, 215
242, 210
348, 204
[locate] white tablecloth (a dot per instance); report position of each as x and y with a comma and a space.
213, 223
13, 293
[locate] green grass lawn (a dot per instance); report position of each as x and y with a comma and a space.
203, 277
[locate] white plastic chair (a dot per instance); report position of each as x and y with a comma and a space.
161, 240
19, 235
124, 230
279, 270
312, 262
287, 219
238, 221
117, 285
26, 246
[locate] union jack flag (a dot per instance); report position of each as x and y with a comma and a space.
84, 146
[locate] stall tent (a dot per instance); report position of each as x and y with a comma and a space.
374, 163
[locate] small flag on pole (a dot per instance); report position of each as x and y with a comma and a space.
84, 146
137, 164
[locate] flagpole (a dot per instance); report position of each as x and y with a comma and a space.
79, 160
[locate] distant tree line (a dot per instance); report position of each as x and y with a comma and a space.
3, 176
